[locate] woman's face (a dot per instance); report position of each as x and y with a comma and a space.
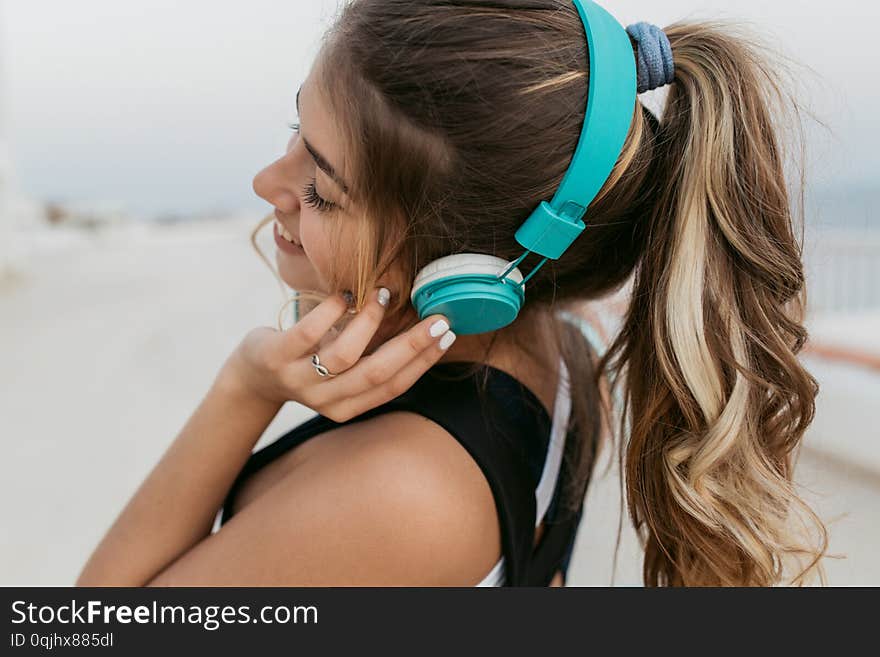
308, 191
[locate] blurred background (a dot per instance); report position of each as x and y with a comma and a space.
129, 137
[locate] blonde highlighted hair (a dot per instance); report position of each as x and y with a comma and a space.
716, 395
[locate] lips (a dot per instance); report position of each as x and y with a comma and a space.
286, 245
282, 230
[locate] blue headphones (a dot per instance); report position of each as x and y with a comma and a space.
479, 292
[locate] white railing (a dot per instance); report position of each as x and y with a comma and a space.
843, 270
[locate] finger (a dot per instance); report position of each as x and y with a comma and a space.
302, 337
341, 354
399, 382
380, 366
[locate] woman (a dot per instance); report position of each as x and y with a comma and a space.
435, 128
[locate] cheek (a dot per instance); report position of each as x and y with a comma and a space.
329, 247
314, 240
310, 271
317, 240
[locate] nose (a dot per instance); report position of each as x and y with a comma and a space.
269, 186
274, 183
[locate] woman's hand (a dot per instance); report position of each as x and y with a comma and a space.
277, 365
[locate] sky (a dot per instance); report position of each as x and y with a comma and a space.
171, 107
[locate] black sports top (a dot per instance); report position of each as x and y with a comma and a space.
507, 433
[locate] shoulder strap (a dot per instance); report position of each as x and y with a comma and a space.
556, 446
559, 535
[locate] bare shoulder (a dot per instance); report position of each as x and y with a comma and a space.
393, 500
425, 482
410, 495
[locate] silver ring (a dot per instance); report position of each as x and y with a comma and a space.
320, 369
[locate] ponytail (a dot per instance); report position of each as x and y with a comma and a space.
716, 397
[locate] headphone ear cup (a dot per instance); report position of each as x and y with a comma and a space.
465, 288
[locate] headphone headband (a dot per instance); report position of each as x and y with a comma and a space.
462, 286
552, 227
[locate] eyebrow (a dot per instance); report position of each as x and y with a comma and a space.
322, 163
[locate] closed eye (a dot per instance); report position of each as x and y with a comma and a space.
310, 191
311, 197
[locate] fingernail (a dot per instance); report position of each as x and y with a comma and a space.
447, 340
384, 295
348, 296
439, 327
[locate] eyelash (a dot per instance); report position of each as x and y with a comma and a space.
310, 191
311, 198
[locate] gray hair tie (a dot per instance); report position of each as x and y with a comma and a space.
654, 58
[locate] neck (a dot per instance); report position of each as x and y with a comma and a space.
525, 343
525, 349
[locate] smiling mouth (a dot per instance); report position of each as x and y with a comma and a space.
286, 234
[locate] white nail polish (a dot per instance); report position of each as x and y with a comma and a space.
447, 340
439, 327
384, 295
